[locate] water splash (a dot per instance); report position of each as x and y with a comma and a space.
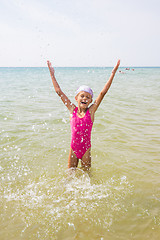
61, 202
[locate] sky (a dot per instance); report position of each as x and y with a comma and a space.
79, 33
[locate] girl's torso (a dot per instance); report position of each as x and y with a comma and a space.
81, 126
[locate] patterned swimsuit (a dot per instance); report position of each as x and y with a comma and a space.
80, 133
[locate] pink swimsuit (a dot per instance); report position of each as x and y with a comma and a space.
80, 133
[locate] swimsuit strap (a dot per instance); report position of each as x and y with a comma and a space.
75, 111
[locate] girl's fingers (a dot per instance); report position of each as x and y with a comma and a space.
49, 64
50, 67
118, 63
116, 67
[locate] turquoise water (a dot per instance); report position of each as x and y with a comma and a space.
120, 197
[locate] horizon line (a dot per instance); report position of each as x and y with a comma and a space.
80, 66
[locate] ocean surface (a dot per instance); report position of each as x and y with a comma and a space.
119, 198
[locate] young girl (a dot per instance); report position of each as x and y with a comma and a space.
81, 118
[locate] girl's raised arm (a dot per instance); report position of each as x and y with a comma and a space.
58, 90
100, 97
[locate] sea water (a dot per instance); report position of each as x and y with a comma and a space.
119, 198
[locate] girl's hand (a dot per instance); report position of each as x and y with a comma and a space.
50, 67
116, 67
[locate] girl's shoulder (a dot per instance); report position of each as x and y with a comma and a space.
91, 108
73, 108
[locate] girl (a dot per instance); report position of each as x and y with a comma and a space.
81, 118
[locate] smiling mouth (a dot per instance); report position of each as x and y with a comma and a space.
83, 102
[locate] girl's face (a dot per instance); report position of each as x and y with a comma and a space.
83, 99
